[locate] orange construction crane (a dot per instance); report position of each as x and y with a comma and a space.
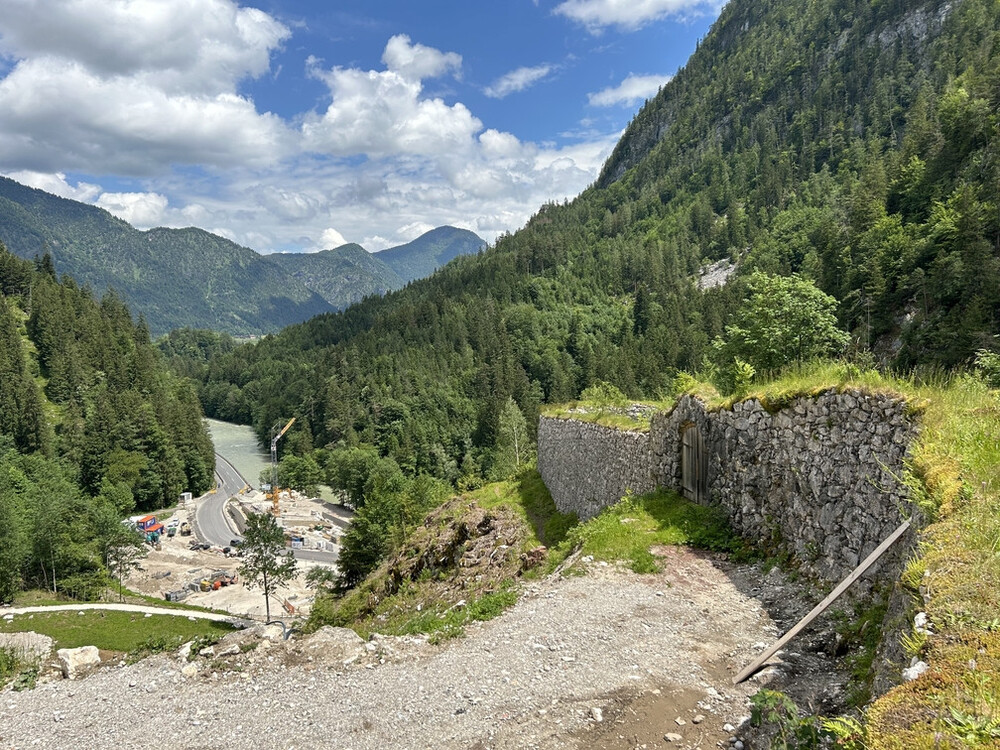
274, 466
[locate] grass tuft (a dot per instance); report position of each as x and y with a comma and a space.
625, 532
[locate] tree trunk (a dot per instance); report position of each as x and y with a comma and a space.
267, 600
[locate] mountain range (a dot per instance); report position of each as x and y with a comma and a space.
192, 278
349, 273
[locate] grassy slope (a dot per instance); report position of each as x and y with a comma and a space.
608, 416
113, 631
414, 592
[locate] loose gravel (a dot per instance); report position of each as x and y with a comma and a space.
609, 659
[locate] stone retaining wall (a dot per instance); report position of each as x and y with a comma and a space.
820, 478
587, 467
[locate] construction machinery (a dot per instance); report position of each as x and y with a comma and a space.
274, 466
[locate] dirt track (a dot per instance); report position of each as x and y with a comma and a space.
636, 652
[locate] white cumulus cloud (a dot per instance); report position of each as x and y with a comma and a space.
148, 88
629, 14
141, 210
632, 90
415, 61
56, 184
135, 86
516, 80
411, 231
380, 113
331, 239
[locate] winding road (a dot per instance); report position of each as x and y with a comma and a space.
212, 524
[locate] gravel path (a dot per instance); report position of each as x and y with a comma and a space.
610, 659
192, 614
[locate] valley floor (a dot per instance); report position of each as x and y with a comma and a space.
607, 660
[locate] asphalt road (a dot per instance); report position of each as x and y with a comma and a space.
211, 522
214, 526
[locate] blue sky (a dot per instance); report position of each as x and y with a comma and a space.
301, 124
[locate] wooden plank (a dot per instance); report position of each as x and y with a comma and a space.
823, 605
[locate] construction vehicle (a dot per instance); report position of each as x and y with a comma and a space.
185, 529
222, 578
274, 467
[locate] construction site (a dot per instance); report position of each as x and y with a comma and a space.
182, 565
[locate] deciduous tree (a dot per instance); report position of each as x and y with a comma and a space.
266, 563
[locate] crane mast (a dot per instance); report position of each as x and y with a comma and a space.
274, 465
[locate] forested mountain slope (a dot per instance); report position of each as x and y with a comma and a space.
430, 251
349, 273
341, 276
173, 277
92, 427
851, 142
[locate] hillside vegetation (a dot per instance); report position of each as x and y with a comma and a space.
190, 278
173, 277
92, 427
428, 252
341, 276
852, 144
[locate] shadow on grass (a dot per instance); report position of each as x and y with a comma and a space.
551, 527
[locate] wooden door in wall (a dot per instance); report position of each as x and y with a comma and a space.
694, 466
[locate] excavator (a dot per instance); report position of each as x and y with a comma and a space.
274, 467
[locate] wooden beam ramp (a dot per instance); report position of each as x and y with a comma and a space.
823, 605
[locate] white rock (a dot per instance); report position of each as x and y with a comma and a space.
73, 660
189, 670
597, 713
912, 673
32, 645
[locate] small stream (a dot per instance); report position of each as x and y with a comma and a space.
238, 445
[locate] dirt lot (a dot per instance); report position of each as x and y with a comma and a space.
175, 565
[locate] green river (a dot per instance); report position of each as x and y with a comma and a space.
238, 445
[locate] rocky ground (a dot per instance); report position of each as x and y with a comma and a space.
606, 660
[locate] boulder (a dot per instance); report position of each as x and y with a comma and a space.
332, 646
74, 661
32, 646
